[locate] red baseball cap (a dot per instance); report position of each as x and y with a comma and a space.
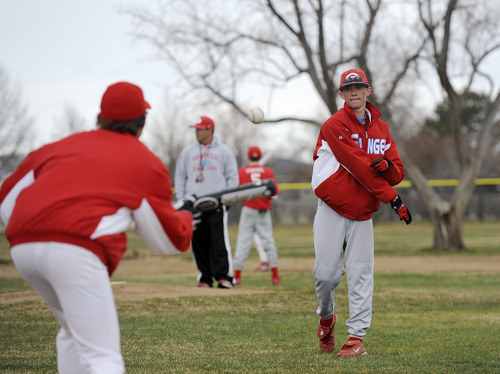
123, 101
254, 153
353, 76
204, 123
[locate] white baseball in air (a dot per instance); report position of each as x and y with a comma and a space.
256, 115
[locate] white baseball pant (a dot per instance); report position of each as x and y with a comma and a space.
334, 235
254, 221
75, 286
260, 249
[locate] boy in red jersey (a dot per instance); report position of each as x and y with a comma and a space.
67, 207
255, 217
356, 165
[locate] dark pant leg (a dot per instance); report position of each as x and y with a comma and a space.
220, 249
201, 249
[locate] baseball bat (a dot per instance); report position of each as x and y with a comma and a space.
244, 192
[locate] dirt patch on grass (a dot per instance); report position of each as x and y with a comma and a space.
150, 265
433, 264
136, 291
383, 264
125, 291
418, 265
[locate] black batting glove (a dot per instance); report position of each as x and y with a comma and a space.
401, 210
187, 206
381, 165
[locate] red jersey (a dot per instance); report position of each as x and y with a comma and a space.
253, 173
342, 176
86, 190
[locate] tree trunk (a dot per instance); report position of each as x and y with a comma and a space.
446, 217
447, 230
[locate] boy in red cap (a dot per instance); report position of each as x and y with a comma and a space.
356, 165
255, 217
67, 207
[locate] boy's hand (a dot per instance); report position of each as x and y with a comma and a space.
381, 165
401, 210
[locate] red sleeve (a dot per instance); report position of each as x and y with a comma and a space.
22, 177
396, 172
355, 160
7, 185
177, 225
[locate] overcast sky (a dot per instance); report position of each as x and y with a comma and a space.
65, 53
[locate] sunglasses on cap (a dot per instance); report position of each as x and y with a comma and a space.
353, 79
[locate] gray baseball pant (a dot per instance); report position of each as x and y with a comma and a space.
251, 221
335, 235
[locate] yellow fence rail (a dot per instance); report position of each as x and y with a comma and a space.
403, 184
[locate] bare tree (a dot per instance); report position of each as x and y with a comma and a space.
244, 53
69, 123
169, 132
461, 36
15, 126
223, 49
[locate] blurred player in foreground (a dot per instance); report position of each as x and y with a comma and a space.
206, 166
255, 217
356, 163
67, 207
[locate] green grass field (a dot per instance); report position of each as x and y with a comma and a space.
442, 317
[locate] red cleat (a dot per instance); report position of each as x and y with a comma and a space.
325, 335
263, 267
352, 348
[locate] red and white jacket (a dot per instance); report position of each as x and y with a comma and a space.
254, 173
87, 189
342, 176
